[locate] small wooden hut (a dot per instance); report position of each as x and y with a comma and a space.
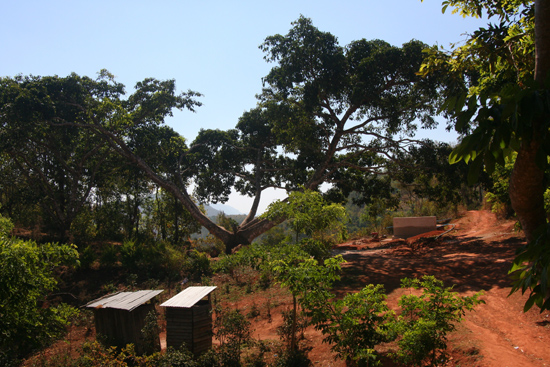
120, 317
189, 319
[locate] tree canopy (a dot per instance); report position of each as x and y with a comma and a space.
328, 114
499, 101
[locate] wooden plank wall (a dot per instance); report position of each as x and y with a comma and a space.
190, 326
121, 327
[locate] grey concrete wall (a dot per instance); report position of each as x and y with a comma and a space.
405, 227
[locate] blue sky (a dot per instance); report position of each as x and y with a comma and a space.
207, 46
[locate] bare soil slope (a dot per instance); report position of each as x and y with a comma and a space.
475, 256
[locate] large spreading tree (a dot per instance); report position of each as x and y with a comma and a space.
327, 114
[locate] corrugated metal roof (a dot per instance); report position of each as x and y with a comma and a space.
188, 297
124, 300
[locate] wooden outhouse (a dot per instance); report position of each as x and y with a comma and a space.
189, 319
120, 317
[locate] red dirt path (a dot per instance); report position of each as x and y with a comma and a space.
475, 256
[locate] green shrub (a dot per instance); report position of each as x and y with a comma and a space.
286, 329
26, 278
320, 250
292, 358
427, 319
174, 262
355, 324
198, 265
87, 257
6, 226
150, 333
232, 329
131, 255
109, 255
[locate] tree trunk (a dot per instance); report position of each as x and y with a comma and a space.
294, 320
243, 235
527, 180
527, 190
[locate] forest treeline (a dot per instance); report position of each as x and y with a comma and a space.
82, 159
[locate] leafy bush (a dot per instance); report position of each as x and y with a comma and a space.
426, 320
309, 283
210, 245
150, 333
292, 358
291, 326
177, 358
320, 250
232, 329
308, 213
87, 257
27, 322
531, 270
198, 265
109, 255
131, 255
6, 226
355, 324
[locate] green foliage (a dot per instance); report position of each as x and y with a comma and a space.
498, 98
109, 255
83, 228
376, 216
233, 331
96, 355
286, 330
27, 321
150, 333
308, 282
87, 256
6, 226
153, 259
498, 195
292, 358
531, 271
163, 217
149, 256
303, 275
427, 319
309, 214
198, 264
355, 324
317, 249
425, 173
210, 244
491, 96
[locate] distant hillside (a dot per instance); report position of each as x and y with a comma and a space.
213, 210
204, 232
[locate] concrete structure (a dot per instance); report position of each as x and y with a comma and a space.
189, 319
405, 227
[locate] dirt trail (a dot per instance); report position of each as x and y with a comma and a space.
475, 256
